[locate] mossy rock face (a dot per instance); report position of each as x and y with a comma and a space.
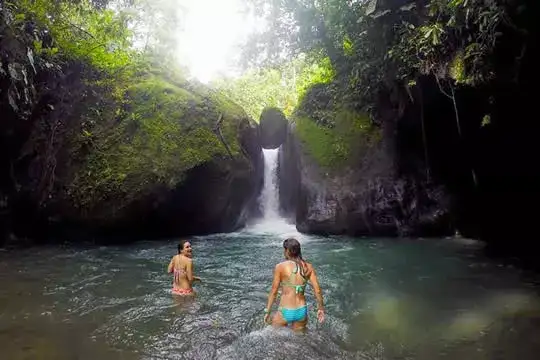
331, 132
334, 148
177, 147
166, 129
337, 175
126, 147
272, 128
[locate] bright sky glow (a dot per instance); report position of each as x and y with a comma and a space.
211, 32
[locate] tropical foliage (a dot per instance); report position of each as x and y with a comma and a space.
278, 86
122, 113
375, 42
375, 46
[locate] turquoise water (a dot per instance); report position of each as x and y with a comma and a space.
386, 299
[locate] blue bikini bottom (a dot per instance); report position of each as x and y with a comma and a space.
293, 315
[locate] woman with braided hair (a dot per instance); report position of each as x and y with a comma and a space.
292, 275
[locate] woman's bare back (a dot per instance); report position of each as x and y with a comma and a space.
180, 267
291, 298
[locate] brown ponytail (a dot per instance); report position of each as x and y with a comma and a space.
295, 253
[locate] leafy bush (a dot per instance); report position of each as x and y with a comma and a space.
280, 86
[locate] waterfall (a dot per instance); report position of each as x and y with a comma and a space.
271, 221
269, 198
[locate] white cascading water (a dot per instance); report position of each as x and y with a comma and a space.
269, 198
271, 222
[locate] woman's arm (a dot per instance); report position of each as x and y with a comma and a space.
318, 294
189, 271
273, 291
170, 269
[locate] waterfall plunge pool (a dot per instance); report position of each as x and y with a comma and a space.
385, 299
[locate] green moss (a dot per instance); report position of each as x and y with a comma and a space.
336, 147
164, 129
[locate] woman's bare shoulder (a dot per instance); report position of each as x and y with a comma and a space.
309, 266
184, 260
284, 263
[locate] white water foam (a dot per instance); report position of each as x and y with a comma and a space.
271, 222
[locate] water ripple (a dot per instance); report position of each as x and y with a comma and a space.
384, 300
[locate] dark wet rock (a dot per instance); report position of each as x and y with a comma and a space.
217, 196
273, 128
370, 199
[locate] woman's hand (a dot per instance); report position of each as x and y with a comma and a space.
266, 316
320, 315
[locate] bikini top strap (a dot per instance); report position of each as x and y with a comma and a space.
297, 287
295, 271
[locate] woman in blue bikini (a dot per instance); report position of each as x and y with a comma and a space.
293, 275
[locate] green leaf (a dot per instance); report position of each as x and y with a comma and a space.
455, 3
38, 46
486, 120
20, 17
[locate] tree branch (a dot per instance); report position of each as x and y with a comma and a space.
453, 97
81, 29
441, 88
217, 130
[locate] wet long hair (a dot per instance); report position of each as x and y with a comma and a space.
181, 245
295, 254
